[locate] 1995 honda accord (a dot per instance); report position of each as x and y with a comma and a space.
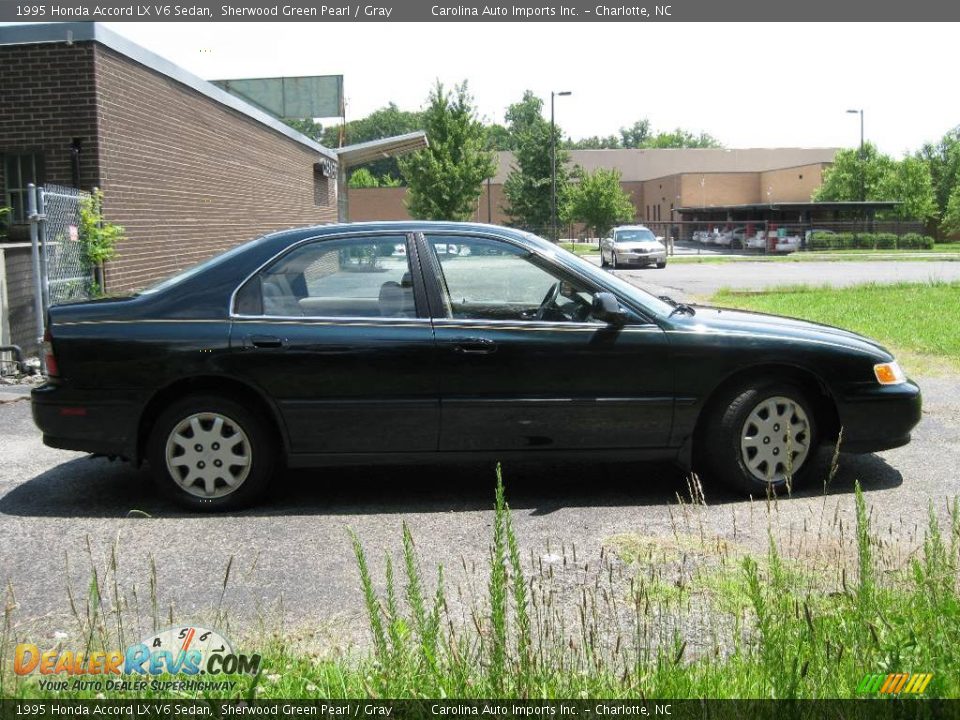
417, 341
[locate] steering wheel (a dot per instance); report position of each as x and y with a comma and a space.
549, 299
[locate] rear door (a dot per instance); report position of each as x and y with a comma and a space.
337, 332
522, 364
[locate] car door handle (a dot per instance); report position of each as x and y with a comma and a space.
474, 346
263, 341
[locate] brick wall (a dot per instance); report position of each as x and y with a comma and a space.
188, 177
18, 270
47, 99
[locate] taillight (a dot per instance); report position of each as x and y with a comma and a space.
49, 360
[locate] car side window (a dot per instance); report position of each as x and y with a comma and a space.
488, 279
351, 277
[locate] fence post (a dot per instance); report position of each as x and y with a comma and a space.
38, 306
44, 245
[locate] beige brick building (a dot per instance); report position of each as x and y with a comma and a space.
656, 180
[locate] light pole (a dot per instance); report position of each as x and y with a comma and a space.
863, 169
553, 164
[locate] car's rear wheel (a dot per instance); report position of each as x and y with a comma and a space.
761, 437
211, 453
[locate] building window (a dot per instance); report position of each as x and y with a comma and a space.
19, 171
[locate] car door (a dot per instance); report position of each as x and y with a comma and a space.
518, 370
336, 331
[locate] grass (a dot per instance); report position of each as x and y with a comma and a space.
831, 256
684, 616
578, 247
919, 322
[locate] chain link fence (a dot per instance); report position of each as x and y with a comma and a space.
66, 274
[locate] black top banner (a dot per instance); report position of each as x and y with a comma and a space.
331, 11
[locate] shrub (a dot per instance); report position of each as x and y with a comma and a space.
915, 241
885, 241
821, 241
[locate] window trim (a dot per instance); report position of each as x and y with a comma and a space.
419, 299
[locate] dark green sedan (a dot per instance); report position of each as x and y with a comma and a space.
421, 342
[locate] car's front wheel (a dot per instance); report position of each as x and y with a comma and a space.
613, 260
661, 265
211, 453
761, 437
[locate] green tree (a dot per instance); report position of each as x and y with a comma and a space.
950, 224
637, 135
528, 186
882, 178
595, 142
943, 160
842, 180
681, 138
363, 178
911, 184
498, 137
445, 179
311, 128
598, 201
98, 238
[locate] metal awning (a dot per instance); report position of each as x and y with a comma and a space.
367, 152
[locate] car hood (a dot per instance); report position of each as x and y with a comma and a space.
725, 320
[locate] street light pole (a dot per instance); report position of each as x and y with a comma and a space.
553, 164
863, 169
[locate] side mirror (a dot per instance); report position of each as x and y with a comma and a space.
607, 309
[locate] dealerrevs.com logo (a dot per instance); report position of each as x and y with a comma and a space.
184, 651
895, 683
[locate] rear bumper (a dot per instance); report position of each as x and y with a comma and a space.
86, 420
878, 417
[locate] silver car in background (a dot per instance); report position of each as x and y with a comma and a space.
632, 245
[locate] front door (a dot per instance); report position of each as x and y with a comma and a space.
337, 332
522, 364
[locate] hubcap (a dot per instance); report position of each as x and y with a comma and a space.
208, 455
775, 439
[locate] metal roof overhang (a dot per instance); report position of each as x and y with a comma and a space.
367, 152
826, 205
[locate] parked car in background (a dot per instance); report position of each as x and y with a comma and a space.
632, 245
325, 346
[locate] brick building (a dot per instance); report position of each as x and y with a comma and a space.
657, 180
186, 168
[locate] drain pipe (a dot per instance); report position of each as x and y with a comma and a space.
17, 354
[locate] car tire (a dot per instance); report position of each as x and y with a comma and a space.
661, 265
603, 259
203, 478
747, 442
613, 260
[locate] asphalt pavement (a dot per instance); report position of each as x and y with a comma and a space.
290, 560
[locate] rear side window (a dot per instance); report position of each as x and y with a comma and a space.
353, 277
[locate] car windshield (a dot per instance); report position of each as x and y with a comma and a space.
643, 235
643, 298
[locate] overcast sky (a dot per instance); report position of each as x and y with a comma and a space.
749, 85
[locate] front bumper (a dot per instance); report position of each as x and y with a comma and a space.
879, 417
85, 420
642, 258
